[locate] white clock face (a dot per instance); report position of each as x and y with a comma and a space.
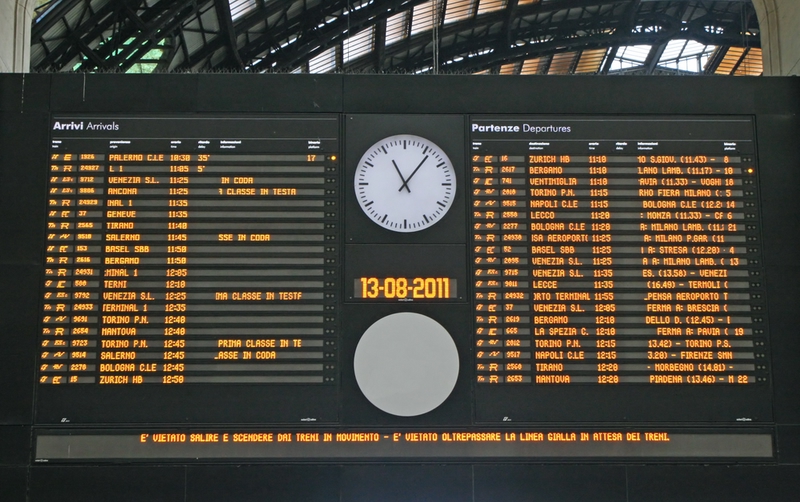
405, 183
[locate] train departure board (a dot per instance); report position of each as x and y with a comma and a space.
399, 287
616, 252
326, 286
567, 244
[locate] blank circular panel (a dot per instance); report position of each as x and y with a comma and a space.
406, 364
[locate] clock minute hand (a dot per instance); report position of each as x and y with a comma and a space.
405, 183
401, 177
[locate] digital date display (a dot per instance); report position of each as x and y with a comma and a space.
405, 288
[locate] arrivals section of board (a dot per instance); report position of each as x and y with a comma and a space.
191, 251
612, 251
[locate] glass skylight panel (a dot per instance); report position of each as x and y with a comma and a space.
686, 55
695, 48
323, 62
508, 69
618, 64
752, 64
561, 63
149, 62
240, 8
701, 59
693, 65
422, 18
673, 50
630, 56
531, 66
729, 61
359, 44
458, 10
210, 23
142, 68
396, 27
490, 6
590, 61
635, 53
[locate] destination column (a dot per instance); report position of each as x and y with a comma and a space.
127, 246
558, 285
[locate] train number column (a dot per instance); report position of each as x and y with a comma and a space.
489, 325
72, 273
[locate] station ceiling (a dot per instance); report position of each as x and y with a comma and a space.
398, 36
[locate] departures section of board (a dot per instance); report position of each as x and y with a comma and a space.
616, 252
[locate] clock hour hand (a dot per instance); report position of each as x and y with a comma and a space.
405, 182
401, 177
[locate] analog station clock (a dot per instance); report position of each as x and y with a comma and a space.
405, 183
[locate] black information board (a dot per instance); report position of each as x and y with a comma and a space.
367, 270
540, 269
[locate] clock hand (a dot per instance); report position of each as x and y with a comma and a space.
401, 177
405, 183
